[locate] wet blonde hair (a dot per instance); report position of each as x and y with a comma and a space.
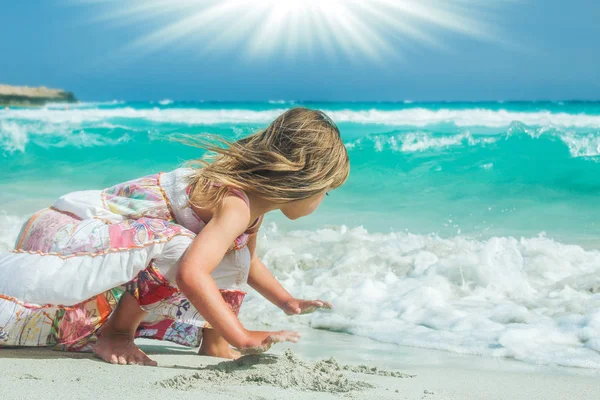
297, 156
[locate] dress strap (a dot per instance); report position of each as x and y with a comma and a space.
242, 195
236, 192
257, 222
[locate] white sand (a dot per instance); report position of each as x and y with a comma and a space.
41, 373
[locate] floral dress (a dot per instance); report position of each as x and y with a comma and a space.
74, 260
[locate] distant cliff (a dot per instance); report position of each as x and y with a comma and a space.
33, 96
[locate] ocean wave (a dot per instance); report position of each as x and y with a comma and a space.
82, 139
585, 145
13, 137
416, 117
421, 117
82, 104
171, 115
531, 299
411, 142
19, 127
16, 135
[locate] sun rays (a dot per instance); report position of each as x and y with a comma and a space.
354, 29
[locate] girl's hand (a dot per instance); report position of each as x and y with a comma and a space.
259, 341
299, 306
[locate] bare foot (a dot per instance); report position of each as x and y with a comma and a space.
229, 353
268, 341
215, 345
117, 348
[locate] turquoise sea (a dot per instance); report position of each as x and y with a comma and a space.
466, 227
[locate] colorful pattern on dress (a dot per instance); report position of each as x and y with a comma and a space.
138, 198
63, 328
135, 233
172, 317
150, 287
52, 232
74, 328
43, 228
67, 236
173, 331
242, 240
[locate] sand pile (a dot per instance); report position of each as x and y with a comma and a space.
286, 371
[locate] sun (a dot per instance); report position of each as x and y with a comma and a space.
355, 29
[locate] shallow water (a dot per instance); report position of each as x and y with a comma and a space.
466, 227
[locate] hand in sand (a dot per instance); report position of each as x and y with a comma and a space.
259, 341
299, 306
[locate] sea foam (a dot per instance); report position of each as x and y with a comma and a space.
418, 117
532, 299
411, 142
76, 127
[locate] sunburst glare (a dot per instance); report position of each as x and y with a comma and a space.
356, 29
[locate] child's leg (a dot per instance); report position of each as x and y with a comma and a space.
116, 340
215, 345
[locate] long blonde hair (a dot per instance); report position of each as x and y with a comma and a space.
297, 156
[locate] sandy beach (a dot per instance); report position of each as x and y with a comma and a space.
292, 372
429, 168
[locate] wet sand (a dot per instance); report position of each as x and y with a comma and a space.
324, 365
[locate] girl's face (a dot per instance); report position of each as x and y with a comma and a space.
302, 208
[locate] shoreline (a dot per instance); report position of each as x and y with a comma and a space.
182, 374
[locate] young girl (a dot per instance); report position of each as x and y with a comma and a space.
167, 256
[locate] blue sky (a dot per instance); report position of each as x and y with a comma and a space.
549, 49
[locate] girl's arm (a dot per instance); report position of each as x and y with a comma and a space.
263, 281
195, 282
